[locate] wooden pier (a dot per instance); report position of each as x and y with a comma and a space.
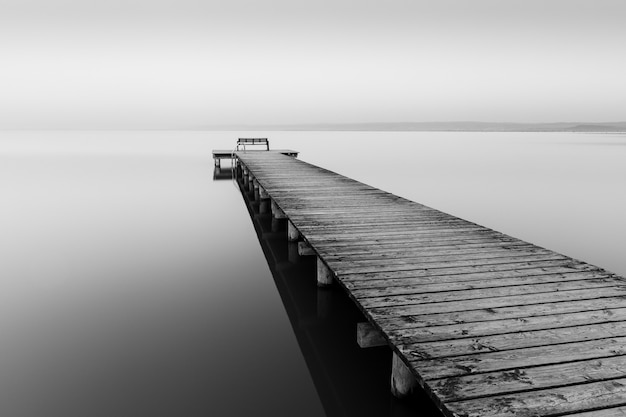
487, 324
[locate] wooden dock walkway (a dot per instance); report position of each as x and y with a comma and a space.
487, 324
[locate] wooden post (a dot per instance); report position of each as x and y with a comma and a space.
277, 212
217, 162
255, 187
368, 336
403, 382
250, 182
324, 274
304, 249
292, 233
245, 177
262, 193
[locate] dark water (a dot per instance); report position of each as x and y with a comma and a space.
133, 283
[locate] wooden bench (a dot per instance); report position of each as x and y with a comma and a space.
242, 142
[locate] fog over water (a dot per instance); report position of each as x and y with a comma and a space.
132, 283
79, 64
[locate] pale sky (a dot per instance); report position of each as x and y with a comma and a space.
193, 63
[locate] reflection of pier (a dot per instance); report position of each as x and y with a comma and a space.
487, 324
220, 173
350, 381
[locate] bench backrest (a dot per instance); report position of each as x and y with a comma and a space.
242, 142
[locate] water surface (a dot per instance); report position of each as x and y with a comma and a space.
132, 283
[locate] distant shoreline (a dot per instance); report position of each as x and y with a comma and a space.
610, 127
565, 127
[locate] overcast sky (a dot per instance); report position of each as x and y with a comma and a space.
193, 63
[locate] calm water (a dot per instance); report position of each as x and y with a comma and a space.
132, 283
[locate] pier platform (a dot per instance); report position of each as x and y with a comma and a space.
220, 154
487, 324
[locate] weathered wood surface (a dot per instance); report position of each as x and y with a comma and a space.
488, 324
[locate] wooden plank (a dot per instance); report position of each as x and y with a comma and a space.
495, 297
469, 281
393, 246
342, 267
404, 257
585, 303
489, 304
471, 272
422, 241
517, 340
476, 329
557, 401
605, 412
477, 288
533, 378
519, 358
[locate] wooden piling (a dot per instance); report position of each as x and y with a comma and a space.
403, 382
263, 193
292, 233
277, 212
368, 336
324, 274
304, 249
246, 178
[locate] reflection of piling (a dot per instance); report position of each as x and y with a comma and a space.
223, 173
293, 255
324, 304
276, 223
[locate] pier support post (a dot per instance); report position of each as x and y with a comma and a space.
217, 162
250, 182
403, 382
324, 274
304, 249
277, 212
255, 187
245, 177
292, 233
368, 336
262, 193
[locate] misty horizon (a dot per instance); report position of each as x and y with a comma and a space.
70, 64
